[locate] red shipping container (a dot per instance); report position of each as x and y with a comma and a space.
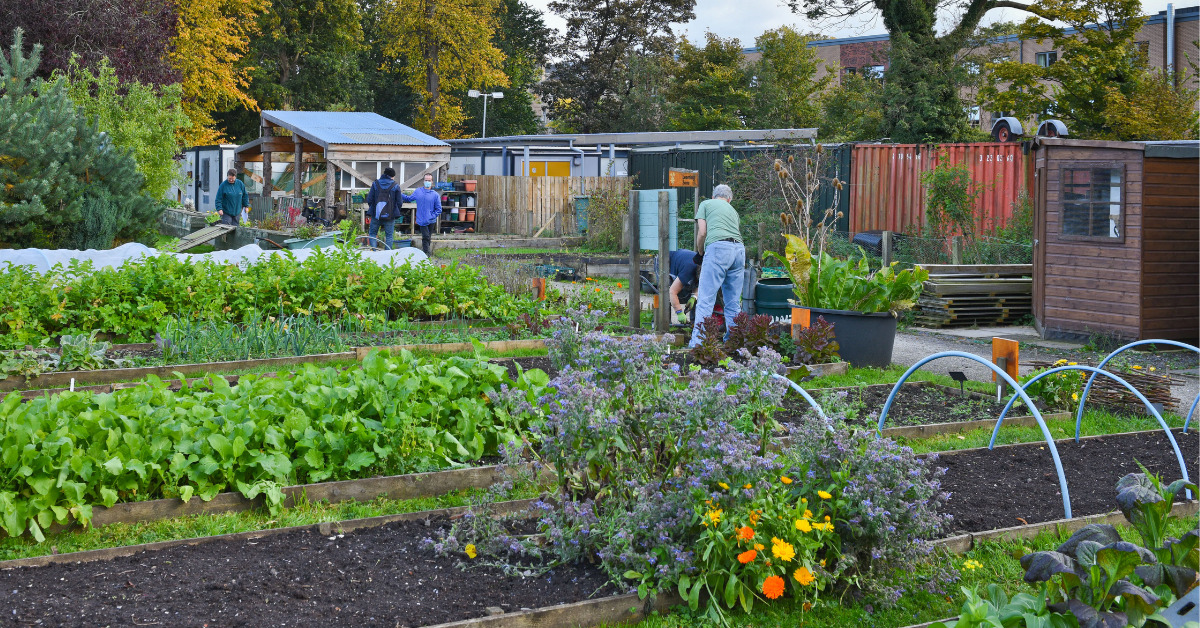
886, 192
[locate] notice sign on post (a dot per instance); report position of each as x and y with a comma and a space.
680, 178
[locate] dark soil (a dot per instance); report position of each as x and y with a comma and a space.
375, 577
915, 404
1012, 486
533, 362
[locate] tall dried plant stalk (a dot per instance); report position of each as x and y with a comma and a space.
800, 183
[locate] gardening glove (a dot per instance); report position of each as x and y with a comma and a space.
681, 317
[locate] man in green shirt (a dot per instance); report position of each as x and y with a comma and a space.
719, 244
231, 198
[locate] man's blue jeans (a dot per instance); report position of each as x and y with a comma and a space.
723, 269
389, 230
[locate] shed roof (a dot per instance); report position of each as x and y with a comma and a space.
328, 128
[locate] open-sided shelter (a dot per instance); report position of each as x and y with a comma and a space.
1117, 239
355, 146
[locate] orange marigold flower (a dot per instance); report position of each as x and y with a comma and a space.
748, 486
785, 479
803, 576
747, 556
807, 606
773, 587
759, 546
745, 533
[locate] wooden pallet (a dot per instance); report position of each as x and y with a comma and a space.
962, 295
206, 234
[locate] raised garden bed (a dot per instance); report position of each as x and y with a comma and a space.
1016, 484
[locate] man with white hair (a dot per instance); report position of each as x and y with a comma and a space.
719, 244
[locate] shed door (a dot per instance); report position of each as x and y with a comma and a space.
1039, 247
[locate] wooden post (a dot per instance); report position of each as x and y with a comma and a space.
268, 176
663, 318
763, 247
956, 250
635, 263
887, 248
296, 175
332, 178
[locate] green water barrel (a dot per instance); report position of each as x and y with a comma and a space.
771, 296
581, 213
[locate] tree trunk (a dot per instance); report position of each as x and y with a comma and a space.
431, 68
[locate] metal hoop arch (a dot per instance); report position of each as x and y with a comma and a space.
1088, 388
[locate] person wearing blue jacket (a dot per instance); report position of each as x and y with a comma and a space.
429, 207
383, 206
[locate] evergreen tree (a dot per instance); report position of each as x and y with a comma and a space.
53, 159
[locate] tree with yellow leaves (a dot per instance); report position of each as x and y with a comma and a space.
207, 52
445, 47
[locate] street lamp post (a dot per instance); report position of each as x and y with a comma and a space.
474, 93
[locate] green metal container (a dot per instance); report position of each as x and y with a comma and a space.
771, 296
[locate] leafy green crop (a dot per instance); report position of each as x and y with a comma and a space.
131, 300
63, 454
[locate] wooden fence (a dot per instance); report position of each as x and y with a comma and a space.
522, 205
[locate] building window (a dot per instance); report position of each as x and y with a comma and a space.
1142, 50
205, 165
1047, 59
1092, 201
972, 68
848, 71
873, 71
973, 115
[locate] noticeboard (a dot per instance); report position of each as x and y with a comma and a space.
681, 178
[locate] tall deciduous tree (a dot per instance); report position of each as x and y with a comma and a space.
445, 48
526, 42
786, 86
207, 53
1101, 85
711, 90
134, 35
586, 88
852, 110
142, 119
62, 182
922, 103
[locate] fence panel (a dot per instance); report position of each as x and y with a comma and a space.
523, 205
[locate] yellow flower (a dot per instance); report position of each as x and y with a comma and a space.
723, 485
972, 565
748, 486
803, 576
803, 526
715, 515
470, 549
1138, 368
822, 562
808, 514
783, 550
759, 546
803, 500
1074, 396
824, 527
1072, 364
827, 517
785, 479
1152, 368
824, 495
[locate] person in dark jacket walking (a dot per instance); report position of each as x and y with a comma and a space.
383, 205
429, 207
231, 198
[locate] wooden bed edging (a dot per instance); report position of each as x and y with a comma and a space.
324, 529
409, 486
617, 609
963, 543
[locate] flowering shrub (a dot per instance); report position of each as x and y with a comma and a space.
1060, 390
567, 333
888, 502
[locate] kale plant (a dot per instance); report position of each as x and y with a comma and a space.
750, 333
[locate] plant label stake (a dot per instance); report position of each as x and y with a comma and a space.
959, 377
1000, 385
1005, 354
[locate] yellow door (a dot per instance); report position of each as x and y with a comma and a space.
536, 169
558, 168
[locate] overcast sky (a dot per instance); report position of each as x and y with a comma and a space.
747, 19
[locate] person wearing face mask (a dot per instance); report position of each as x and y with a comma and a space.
429, 207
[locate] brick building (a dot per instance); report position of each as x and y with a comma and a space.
867, 55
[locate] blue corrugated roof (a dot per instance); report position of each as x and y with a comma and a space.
350, 127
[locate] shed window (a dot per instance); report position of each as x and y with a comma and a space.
1092, 201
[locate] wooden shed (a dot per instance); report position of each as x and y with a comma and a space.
1117, 239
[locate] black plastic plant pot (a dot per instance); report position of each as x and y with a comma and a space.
864, 339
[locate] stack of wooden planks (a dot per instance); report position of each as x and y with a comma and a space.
960, 295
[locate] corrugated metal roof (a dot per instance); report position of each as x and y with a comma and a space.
350, 127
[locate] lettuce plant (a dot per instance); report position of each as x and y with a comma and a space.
711, 350
815, 343
751, 333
